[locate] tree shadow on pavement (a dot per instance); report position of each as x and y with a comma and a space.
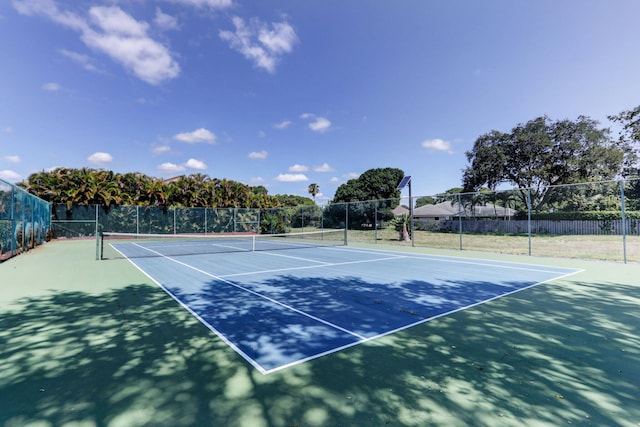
565, 352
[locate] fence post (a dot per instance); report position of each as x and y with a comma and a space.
97, 234
22, 221
624, 222
97, 218
529, 217
346, 223
12, 231
460, 211
375, 223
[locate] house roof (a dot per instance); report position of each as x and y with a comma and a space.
400, 210
445, 209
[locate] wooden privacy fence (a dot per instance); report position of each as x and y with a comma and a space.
554, 227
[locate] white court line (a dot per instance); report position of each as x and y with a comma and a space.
294, 257
288, 307
306, 267
374, 337
511, 265
220, 335
361, 339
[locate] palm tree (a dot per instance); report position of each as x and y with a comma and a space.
313, 190
401, 224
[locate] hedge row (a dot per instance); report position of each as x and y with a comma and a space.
580, 216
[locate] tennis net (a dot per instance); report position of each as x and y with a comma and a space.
132, 245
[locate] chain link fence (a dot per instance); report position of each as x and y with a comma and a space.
24, 220
599, 220
87, 221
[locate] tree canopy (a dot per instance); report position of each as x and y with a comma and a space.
87, 186
543, 153
425, 200
629, 139
374, 184
292, 200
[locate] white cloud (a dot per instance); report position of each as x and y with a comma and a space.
12, 159
9, 175
170, 168
258, 154
288, 177
81, 59
196, 164
298, 168
257, 179
438, 144
352, 175
126, 41
160, 149
52, 87
99, 158
320, 125
334, 179
263, 44
198, 135
7, 129
323, 168
214, 4
165, 21
282, 125
116, 34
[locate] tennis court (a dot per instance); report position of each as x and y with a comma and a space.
314, 335
279, 301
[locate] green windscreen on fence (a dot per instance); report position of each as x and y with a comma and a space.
25, 220
594, 220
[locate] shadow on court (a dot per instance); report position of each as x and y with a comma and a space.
567, 352
273, 335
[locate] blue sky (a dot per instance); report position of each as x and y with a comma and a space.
288, 93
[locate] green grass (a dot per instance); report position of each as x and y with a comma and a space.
608, 248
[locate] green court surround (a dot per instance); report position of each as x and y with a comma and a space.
97, 343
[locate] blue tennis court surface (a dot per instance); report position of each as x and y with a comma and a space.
280, 308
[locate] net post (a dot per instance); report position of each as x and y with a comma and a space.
99, 244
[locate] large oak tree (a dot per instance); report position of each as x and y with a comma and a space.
377, 185
543, 153
374, 184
